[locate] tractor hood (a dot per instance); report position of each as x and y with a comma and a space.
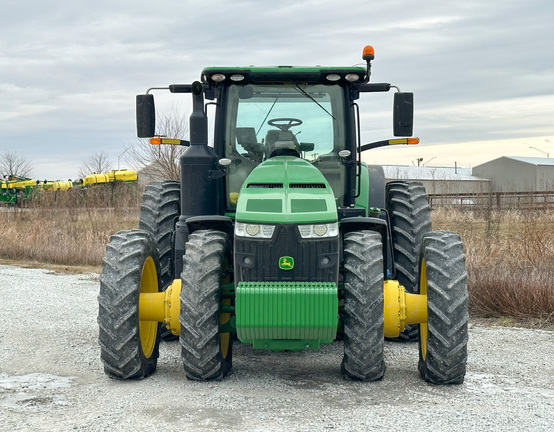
286, 189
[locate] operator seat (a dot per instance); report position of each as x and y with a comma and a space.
281, 143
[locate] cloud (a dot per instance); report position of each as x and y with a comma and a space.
69, 70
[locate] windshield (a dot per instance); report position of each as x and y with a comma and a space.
306, 121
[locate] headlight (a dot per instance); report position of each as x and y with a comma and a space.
254, 230
319, 230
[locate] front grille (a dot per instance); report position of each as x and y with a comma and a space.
258, 259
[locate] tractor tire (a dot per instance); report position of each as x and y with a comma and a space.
159, 211
129, 347
206, 353
363, 307
410, 218
443, 339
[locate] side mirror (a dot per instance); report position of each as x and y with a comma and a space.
146, 116
403, 114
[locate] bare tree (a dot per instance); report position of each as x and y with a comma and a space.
160, 161
11, 164
97, 163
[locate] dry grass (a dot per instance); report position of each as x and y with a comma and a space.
68, 227
510, 255
510, 262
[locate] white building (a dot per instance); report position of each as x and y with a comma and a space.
518, 174
439, 180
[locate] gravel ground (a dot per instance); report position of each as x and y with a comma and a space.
51, 378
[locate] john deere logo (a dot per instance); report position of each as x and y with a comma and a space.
286, 263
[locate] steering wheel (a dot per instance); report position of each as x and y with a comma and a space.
284, 123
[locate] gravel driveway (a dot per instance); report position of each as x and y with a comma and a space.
51, 378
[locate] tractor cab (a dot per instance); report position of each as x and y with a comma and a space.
263, 121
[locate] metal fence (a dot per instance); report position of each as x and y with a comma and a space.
495, 200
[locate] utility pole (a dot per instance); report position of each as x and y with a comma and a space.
119, 157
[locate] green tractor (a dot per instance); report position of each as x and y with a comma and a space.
279, 236
16, 190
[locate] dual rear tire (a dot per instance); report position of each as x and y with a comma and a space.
363, 307
206, 352
442, 278
443, 338
410, 220
129, 346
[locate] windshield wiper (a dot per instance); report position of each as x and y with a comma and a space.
267, 115
301, 90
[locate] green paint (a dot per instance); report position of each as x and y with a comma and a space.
295, 202
286, 315
285, 70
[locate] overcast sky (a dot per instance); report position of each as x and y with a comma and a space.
481, 71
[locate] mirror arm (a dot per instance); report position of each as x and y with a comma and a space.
396, 141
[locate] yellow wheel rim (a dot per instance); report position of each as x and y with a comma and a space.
423, 326
148, 329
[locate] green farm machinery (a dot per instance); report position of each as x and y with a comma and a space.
16, 190
279, 236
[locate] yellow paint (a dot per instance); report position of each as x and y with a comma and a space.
402, 308
423, 326
398, 141
392, 310
122, 175
148, 328
152, 307
173, 307
416, 308
159, 141
162, 307
110, 177
93, 179
18, 184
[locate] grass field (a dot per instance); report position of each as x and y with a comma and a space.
509, 255
510, 262
68, 227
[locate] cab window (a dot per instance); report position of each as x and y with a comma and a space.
264, 121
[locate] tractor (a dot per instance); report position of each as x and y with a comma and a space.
278, 235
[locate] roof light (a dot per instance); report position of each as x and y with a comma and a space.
369, 53
333, 77
237, 77
352, 77
218, 77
